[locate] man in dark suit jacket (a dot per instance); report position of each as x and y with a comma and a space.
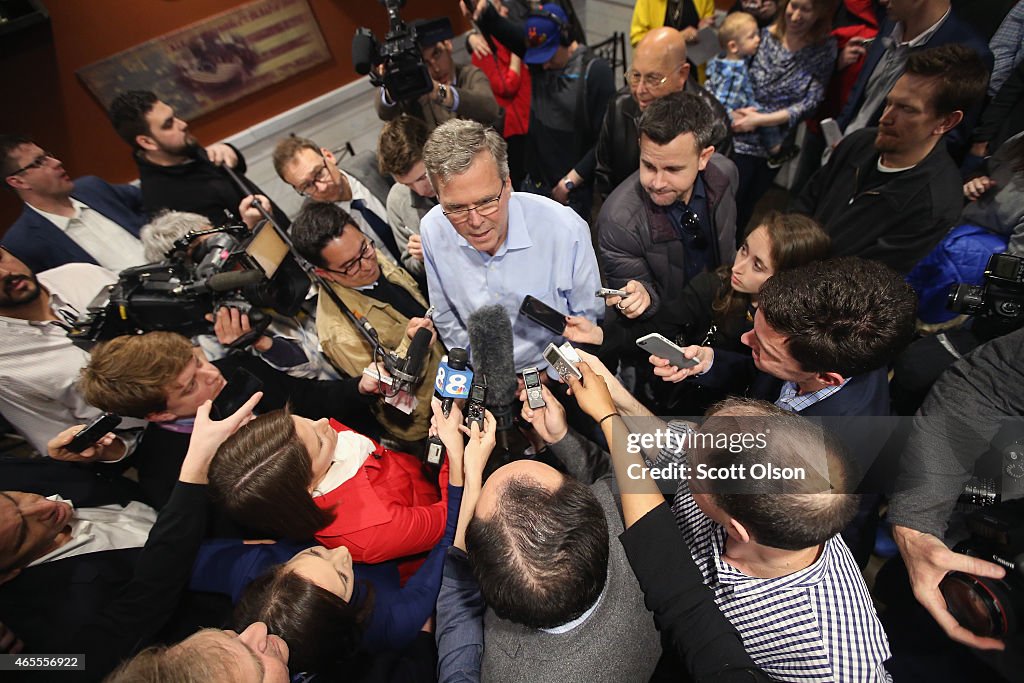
85, 221
107, 603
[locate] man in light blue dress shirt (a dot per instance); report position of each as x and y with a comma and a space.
486, 245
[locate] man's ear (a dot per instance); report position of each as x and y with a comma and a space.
832, 379
737, 531
949, 122
146, 143
16, 182
705, 157
162, 416
684, 71
329, 155
9, 574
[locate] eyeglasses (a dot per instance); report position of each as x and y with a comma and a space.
652, 81
322, 177
485, 208
38, 162
350, 268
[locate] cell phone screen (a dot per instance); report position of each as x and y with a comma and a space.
239, 389
542, 314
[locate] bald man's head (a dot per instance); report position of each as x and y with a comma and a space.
659, 65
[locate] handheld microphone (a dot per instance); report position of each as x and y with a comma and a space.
490, 340
408, 370
220, 282
453, 378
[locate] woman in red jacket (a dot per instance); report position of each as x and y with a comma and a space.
298, 478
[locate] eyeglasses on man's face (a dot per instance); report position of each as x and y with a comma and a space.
322, 177
352, 267
38, 162
652, 81
485, 208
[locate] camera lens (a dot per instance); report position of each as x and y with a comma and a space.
982, 606
964, 298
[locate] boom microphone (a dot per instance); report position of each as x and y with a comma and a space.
490, 342
221, 282
364, 47
409, 369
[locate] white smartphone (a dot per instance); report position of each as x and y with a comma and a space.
657, 345
830, 129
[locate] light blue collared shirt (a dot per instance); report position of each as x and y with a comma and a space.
547, 253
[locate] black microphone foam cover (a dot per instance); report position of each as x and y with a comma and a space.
364, 45
418, 350
235, 279
490, 345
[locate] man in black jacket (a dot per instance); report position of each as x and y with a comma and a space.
890, 193
174, 170
659, 68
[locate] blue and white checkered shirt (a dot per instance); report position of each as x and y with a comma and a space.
814, 625
790, 400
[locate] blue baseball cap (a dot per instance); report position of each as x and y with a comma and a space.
542, 34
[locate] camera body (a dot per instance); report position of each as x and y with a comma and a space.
405, 75
991, 607
998, 303
203, 271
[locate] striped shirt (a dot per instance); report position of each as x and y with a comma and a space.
816, 624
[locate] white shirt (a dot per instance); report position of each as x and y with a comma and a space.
350, 453
360, 191
111, 245
39, 365
108, 527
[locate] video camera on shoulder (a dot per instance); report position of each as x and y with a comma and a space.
204, 270
998, 303
405, 75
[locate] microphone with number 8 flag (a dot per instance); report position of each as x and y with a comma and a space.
453, 378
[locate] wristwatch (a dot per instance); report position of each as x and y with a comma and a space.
569, 185
442, 94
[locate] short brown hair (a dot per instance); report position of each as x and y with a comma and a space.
824, 13
731, 27
958, 73
131, 375
287, 149
400, 144
261, 477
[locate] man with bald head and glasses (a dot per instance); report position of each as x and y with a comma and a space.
313, 172
385, 294
659, 68
485, 244
65, 221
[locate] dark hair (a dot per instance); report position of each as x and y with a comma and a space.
400, 144
795, 240
542, 558
668, 117
9, 142
959, 74
261, 477
787, 513
322, 629
315, 226
128, 114
846, 315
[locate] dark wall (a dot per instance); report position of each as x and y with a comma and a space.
43, 97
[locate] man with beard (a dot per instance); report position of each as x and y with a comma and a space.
38, 363
676, 216
891, 193
175, 171
65, 221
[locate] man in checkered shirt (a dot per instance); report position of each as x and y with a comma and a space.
770, 549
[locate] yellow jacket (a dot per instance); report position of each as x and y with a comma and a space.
348, 351
648, 14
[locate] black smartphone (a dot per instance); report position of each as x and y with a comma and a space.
93, 432
239, 389
542, 314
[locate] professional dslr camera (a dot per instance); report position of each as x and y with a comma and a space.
991, 607
998, 303
204, 270
405, 75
